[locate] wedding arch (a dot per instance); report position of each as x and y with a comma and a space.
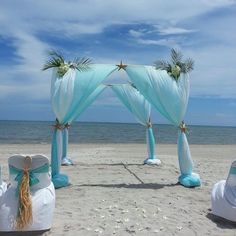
72, 91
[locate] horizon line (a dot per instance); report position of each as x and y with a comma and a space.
113, 122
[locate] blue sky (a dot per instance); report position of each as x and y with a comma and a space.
136, 31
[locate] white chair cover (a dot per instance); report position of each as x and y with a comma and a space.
223, 197
3, 186
42, 195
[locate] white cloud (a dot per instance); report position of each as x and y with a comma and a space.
214, 73
26, 77
72, 29
135, 33
25, 20
38, 91
170, 43
97, 14
174, 30
218, 3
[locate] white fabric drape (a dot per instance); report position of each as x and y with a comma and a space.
141, 109
70, 96
134, 102
223, 196
170, 98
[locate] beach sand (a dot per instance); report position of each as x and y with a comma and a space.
112, 193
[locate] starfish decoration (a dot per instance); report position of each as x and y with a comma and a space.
121, 66
57, 125
184, 128
67, 126
149, 123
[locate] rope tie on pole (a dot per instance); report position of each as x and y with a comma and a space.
57, 125
149, 123
67, 126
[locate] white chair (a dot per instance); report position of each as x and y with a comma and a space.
42, 194
3, 186
223, 197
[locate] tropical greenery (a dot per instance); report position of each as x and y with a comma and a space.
57, 60
176, 66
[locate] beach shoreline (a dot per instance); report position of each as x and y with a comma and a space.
113, 193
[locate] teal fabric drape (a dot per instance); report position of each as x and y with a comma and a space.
134, 102
151, 143
65, 141
59, 180
83, 107
170, 98
70, 96
140, 108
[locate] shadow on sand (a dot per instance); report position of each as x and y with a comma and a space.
113, 164
26, 233
130, 186
221, 222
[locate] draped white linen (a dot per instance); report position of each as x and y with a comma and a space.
141, 109
65, 132
134, 101
70, 96
170, 98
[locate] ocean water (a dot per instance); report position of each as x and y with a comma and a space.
33, 132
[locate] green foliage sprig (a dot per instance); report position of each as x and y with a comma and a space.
57, 60
176, 66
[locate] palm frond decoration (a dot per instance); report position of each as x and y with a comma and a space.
176, 66
163, 65
188, 65
57, 60
80, 64
176, 56
56, 54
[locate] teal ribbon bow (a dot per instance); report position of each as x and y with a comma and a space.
32, 178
